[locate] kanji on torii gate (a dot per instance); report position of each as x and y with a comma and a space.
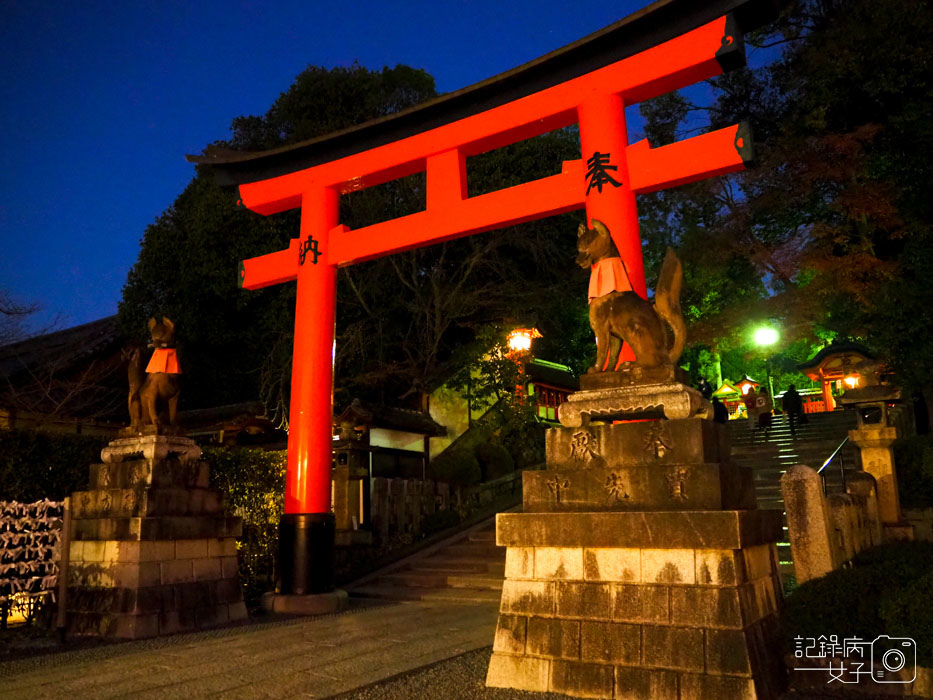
604, 181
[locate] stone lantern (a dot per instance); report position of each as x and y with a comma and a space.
881, 421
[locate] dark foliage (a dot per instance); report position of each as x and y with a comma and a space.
914, 459
828, 232
886, 591
36, 465
253, 484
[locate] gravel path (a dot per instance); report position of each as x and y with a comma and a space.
464, 677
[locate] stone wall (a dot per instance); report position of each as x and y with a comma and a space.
827, 531
401, 506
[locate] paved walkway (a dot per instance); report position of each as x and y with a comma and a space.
296, 658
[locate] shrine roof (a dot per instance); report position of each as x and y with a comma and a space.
552, 374
659, 22
840, 348
392, 418
77, 343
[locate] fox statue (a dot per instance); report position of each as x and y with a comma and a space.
153, 396
619, 314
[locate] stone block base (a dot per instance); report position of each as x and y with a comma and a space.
678, 605
312, 604
897, 532
133, 589
151, 552
648, 487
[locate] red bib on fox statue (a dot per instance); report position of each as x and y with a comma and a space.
164, 360
608, 275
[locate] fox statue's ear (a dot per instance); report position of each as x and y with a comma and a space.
601, 227
167, 322
152, 323
581, 229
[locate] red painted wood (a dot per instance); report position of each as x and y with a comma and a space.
307, 477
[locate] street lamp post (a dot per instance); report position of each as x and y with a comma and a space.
764, 337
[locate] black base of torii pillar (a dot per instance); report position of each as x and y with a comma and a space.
306, 567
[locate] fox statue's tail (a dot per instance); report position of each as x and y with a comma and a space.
667, 302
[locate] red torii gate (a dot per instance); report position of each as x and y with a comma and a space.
604, 181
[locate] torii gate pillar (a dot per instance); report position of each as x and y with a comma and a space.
603, 131
306, 537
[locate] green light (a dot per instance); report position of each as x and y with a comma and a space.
766, 336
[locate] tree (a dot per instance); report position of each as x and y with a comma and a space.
12, 317
402, 319
229, 340
820, 234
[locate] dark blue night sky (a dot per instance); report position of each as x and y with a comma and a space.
100, 101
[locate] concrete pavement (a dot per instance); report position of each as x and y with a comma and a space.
295, 658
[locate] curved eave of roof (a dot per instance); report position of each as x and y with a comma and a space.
552, 375
659, 22
392, 419
77, 342
845, 347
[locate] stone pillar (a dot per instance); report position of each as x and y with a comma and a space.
809, 523
348, 482
151, 552
863, 485
415, 503
878, 460
379, 507
640, 567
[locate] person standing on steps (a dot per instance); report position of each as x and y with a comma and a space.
750, 410
763, 407
793, 407
720, 412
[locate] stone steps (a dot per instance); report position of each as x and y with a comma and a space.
813, 443
450, 595
467, 568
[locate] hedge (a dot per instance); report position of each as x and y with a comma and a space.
36, 465
886, 591
253, 484
913, 458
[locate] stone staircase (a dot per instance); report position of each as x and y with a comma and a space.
814, 442
467, 567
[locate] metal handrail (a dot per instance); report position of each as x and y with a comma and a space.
842, 464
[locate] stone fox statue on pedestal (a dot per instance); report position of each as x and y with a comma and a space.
159, 384
617, 313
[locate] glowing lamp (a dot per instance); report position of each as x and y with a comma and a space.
851, 381
520, 339
765, 336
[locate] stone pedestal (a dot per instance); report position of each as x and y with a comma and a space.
878, 460
640, 567
152, 552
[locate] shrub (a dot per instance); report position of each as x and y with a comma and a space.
886, 591
440, 520
495, 461
913, 458
456, 466
36, 465
253, 483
